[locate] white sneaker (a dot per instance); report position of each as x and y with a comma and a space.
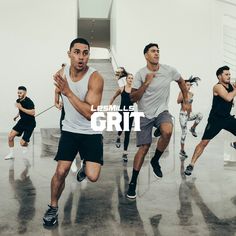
74, 167
9, 156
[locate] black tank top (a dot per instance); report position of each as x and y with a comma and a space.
125, 100
220, 107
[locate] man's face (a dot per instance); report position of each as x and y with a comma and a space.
225, 77
21, 94
79, 56
153, 55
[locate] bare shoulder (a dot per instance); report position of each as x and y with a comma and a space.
217, 87
96, 80
96, 76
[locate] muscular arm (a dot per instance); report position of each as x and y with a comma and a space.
93, 97
136, 94
57, 96
117, 93
221, 91
30, 112
183, 89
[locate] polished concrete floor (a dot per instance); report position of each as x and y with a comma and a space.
204, 204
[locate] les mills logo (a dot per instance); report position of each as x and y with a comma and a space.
107, 117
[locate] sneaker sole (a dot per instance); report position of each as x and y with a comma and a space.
50, 224
232, 145
186, 173
80, 180
131, 197
9, 158
156, 176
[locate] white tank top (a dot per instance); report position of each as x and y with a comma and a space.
74, 121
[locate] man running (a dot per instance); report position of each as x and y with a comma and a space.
219, 118
151, 89
25, 125
80, 86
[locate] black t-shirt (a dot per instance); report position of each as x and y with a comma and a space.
220, 107
27, 103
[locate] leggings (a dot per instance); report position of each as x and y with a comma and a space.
127, 133
184, 118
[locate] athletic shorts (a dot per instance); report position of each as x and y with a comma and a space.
89, 146
215, 125
145, 135
25, 128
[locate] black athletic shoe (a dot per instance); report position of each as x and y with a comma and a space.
125, 157
81, 173
51, 216
131, 193
156, 169
157, 132
188, 170
233, 145
182, 155
118, 142
193, 132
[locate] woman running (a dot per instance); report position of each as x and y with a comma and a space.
184, 118
124, 92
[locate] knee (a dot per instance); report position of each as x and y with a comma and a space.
203, 143
166, 134
144, 149
10, 138
61, 173
92, 177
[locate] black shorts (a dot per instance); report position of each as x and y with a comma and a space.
89, 146
24, 127
215, 125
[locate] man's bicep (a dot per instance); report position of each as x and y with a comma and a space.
220, 91
94, 95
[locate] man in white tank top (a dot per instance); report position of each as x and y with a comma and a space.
80, 86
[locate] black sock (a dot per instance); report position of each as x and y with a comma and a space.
134, 176
156, 157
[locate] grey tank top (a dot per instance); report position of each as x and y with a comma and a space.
74, 121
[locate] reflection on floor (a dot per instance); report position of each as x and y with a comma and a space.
204, 204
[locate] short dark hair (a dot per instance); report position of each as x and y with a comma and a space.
22, 88
79, 40
145, 50
221, 70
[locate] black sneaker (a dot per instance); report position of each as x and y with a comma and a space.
118, 142
51, 216
81, 173
131, 193
157, 132
193, 132
125, 157
183, 155
156, 169
233, 145
188, 170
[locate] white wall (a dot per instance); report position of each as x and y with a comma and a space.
35, 36
189, 34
